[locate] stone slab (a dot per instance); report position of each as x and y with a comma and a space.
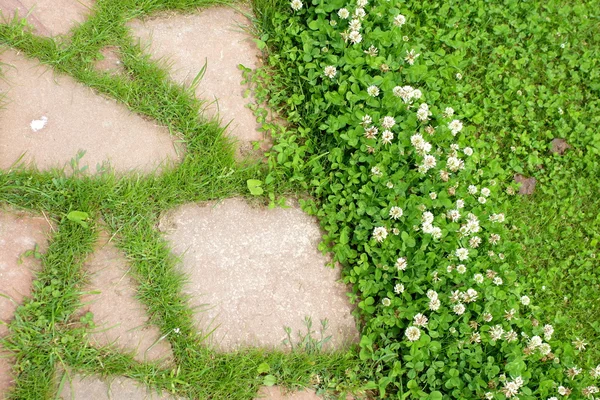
213, 36
50, 117
119, 317
279, 393
111, 60
48, 17
19, 233
253, 271
93, 388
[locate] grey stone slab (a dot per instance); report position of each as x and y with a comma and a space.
119, 317
94, 388
19, 232
214, 36
48, 17
254, 271
47, 118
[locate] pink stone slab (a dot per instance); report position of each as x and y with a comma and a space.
19, 233
119, 317
77, 118
253, 271
213, 36
48, 17
279, 393
93, 388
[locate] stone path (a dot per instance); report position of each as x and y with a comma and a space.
70, 117
118, 315
48, 17
19, 233
216, 37
252, 271
258, 270
94, 388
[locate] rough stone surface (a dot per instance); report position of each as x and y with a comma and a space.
119, 317
93, 388
279, 393
111, 60
76, 118
19, 232
48, 17
214, 36
559, 146
527, 184
253, 271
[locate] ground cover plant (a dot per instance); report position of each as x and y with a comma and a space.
412, 119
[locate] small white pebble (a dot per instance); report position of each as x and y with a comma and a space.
38, 124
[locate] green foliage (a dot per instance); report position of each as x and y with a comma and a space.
517, 74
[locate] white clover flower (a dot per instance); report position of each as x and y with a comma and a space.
454, 164
386, 302
468, 151
333, 22
396, 231
387, 137
496, 332
478, 278
296, 5
455, 126
399, 20
420, 320
366, 120
416, 94
579, 344
489, 395
355, 37
481, 199
401, 263
458, 76
595, 372
373, 91
432, 294
343, 13
411, 56
380, 233
399, 288
436, 232
497, 281
460, 204
429, 162
448, 112
459, 309
412, 333
494, 238
389, 185
427, 228
485, 191
563, 391
355, 25
470, 295
388, 122
360, 13
545, 349
462, 254
362, 3
434, 304
453, 215
548, 331
396, 212
417, 140
525, 300
472, 189
433, 195
330, 71
444, 175
510, 336
461, 269
405, 38
427, 217
534, 342
474, 242
376, 171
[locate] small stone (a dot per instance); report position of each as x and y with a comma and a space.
559, 146
527, 184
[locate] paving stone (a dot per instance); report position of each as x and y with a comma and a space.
213, 36
279, 393
93, 388
50, 117
48, 17
119, 317
258, 270
19, 232
527, 184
